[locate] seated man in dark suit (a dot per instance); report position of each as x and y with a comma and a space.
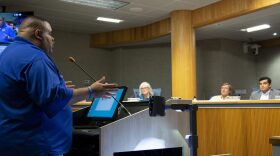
265, 92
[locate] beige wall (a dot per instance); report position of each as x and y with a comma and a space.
97, 62
134, 65
268, 64
127, 66
222, 60
218, 61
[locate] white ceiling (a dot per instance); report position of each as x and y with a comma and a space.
230, 29
82, 19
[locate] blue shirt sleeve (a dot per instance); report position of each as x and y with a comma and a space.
10, 32
46, 88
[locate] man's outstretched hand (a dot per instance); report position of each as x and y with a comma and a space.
69, 84
102, 89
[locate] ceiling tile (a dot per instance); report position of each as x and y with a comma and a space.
179, 5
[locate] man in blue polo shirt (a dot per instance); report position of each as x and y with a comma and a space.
35, 116
7, 33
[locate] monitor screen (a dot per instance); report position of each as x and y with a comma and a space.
106, 108
9, 24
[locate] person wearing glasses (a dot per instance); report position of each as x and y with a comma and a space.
145, 91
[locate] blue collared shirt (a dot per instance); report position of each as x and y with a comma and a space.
7, 33
34, 116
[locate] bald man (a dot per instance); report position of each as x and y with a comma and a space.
35, 116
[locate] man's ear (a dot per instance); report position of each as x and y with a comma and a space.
38, 34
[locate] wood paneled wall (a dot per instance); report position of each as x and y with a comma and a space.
226, 9
239, 131
138, 34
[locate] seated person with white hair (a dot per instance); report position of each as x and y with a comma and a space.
226, 90
145, 91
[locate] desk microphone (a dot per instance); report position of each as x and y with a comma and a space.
71, 59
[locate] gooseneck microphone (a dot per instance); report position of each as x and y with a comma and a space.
71, 59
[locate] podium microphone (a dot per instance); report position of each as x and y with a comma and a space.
71, 59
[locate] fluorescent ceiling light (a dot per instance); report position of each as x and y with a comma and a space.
257, 28
106, 4
105, 19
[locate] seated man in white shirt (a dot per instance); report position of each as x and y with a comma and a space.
265, 92
226, 90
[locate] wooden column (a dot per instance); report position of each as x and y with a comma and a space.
183, 59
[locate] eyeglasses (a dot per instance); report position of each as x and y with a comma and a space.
144, 88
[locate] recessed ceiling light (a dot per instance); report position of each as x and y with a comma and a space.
257, 28
274, 34
106, 4
105, 19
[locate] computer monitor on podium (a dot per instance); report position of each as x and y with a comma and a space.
106, 108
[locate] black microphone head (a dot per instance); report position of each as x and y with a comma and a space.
71, 59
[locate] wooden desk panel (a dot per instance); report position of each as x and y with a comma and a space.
220, 131
263, 123
239, 131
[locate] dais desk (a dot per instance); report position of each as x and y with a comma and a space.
240, 128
